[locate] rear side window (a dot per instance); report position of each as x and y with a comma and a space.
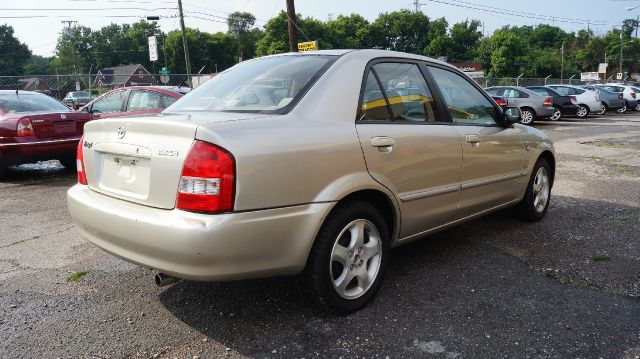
403, 91
374, 106
542, 92
465, 103
144, 100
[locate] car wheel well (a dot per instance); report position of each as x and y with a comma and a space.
379, 200
548, 156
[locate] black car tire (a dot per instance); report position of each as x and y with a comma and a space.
528, 207
317, 282
603, 108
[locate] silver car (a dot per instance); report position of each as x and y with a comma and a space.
533, 105
312, 164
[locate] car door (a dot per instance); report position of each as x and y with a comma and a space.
492, 164
110, 105
408, 146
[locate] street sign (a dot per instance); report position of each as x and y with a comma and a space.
619, 76
589, 76
153, 48
164, 75
308, 46
77, 85
602, 68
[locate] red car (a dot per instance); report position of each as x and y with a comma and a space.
134, 100
35, 127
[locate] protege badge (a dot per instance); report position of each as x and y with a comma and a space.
170, 153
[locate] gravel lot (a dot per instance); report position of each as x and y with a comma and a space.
568, 286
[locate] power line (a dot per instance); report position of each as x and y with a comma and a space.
491, 9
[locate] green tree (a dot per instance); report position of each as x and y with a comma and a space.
401, 31
350, 32
465, 38
13, 53
39, 65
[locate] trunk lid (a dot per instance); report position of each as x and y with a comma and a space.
140, 159
53, 125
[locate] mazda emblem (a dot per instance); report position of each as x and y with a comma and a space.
121, 132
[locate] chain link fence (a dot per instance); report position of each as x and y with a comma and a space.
58, 86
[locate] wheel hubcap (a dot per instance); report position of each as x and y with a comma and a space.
355, 259
623, 109
582, 111
526, 117
540, 190
556, 115
603, 109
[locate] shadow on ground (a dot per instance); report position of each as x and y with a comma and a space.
460, 292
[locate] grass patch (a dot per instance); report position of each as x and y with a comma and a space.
623, 168
600, 258
74, 277
595, 158
20, 241
518, 254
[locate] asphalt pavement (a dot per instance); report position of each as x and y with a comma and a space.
565, 287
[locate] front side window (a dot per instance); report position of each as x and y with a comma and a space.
265, 85
109, 103
465, 103
404, 92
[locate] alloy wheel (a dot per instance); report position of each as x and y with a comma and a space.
557, 114
603, 109
582, 112
527, 117
622, 110
541, 190
355, 259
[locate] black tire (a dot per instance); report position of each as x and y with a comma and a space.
68, 163
582, 112
528, 116
528, 208
557, 114
603, 108
623, 109
3, 171
316, 281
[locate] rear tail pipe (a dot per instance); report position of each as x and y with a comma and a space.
162, 280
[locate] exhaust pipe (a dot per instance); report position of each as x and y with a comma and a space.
162, 280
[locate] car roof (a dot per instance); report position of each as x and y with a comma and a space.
365, 54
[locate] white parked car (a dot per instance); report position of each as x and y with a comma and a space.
587, 100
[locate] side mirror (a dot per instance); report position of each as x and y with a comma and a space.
511, 115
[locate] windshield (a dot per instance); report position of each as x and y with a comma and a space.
266, 85
29, 102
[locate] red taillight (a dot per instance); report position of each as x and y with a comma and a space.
548, 101
501, 101
82, 176
633, 94
620, 96
207, 183
24, 127
573, 100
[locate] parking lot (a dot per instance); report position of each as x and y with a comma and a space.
568, 286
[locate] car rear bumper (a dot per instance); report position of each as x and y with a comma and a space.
37, 150
199, 246
544, 111
569, 109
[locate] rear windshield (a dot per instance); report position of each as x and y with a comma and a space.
79, 94
266, 85
29, 102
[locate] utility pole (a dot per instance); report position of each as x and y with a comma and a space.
562, 63
72, 37
621, 43
637, 22
293, 31
184, 42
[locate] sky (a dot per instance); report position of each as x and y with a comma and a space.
41, 32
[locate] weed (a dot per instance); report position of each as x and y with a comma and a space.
74, 277
600, 258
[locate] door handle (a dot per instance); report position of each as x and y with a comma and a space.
472, 138
384, 143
